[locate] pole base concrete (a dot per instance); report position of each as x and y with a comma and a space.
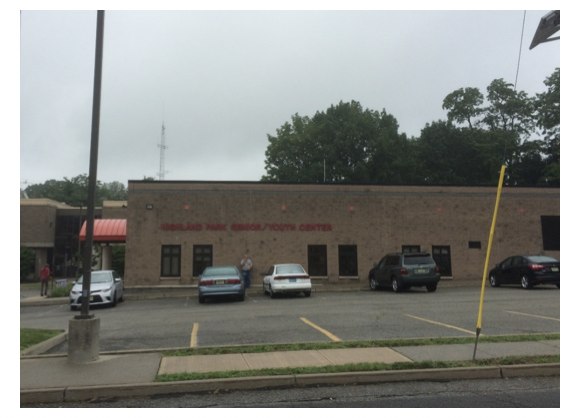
83, 340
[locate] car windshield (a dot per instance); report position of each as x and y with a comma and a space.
220, 271
418, 259
290, 269
98, 277
542, 259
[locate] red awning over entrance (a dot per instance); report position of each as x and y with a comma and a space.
107, 230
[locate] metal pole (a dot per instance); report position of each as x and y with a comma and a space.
87, 265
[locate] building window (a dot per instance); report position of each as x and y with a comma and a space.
550, 233
347, 260
474, 244
317, 260
410, 248
202, 259
170, 261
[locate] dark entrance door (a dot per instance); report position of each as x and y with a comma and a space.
441, 255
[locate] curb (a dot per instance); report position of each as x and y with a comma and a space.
44, 346
260, 382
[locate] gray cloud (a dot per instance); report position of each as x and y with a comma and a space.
222, 80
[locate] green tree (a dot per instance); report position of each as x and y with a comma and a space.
27, 262
74, 191
547, 107
118, 256
464, 105
113, 191
344, 144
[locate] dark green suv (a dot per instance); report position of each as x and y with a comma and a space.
404, 270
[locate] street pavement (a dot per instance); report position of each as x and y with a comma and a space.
52, 378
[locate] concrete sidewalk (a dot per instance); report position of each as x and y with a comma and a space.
51, 378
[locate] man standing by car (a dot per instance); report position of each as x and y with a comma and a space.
44, 274
246, 264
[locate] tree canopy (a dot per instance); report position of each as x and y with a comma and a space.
350, 144
74, 191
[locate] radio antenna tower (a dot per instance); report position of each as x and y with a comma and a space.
162, 147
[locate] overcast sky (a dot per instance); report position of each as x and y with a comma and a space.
221, 81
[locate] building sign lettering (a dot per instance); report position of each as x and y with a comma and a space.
304, 227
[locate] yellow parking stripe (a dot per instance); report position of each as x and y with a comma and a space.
535, 316
441, 324
323, 331
194, 336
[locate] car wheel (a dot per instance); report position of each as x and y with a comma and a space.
272, 294
525, 282
201, 299
558, 285
307, 294
72, 307
373, 284
241, 297
493, 281
431, 287
264, 288
396, 286
113, 303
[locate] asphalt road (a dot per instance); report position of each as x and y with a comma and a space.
325, 316
541, 392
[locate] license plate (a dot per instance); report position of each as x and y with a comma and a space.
292, 280
219, 281
555, 269
421, 270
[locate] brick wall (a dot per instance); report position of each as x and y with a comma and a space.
275, 223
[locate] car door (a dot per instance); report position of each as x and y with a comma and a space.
519, 264
379, 271
268, 276
505, 271
390, 267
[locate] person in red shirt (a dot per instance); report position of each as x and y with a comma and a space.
44, 274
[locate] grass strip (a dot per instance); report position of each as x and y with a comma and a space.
30, 337
361, 367
268, 348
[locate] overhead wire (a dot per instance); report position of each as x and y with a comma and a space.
516, 79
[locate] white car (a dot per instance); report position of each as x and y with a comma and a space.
106, 288
286, 278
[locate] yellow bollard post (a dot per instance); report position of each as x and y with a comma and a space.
486, 264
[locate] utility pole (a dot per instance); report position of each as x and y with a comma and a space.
84, 329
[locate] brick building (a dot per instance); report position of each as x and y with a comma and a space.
337, 232
52, 230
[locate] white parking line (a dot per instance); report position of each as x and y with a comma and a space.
441, 324
535, 316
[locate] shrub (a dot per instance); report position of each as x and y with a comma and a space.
27, 259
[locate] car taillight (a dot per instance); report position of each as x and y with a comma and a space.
206, 283
536, 266
403, 270
437, 270
234, 281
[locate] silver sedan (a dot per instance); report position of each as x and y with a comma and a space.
106, 288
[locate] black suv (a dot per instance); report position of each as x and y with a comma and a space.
404, 270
